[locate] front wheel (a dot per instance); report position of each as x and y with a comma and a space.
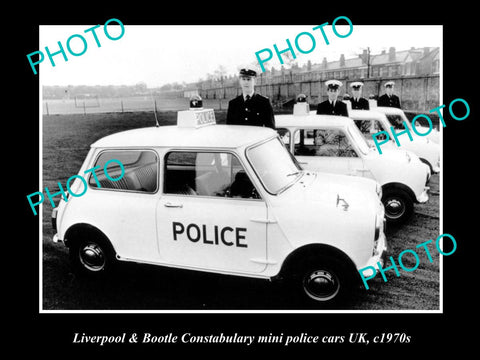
322, 281
398, 205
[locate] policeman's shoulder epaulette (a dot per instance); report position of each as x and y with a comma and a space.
262, 96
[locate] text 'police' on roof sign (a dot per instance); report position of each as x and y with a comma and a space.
195, 118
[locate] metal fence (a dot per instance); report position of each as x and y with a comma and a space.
127, 104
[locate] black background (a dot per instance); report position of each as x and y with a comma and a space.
52, 334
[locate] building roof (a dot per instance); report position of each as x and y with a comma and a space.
211, 136
402, 56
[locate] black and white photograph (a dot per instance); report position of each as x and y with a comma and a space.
295, 185
225, 199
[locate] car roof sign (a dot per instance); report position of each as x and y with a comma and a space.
195, 118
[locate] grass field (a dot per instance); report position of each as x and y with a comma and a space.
66, 141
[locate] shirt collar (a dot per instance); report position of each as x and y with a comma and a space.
251, 95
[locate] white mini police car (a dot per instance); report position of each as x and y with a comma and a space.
223, 199
333, 144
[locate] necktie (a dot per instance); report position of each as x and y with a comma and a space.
247, 97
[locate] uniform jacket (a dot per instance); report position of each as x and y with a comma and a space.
360, 104
392, 101
256, 111
326, 108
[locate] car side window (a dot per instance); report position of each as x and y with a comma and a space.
207, 174
369, 127
324, 142
396, 121
140, 171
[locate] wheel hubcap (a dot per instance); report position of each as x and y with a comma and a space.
394, 208
321, 285
92, 257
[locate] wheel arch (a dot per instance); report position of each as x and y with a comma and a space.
85, 229
396, 185
294, 259
426, 162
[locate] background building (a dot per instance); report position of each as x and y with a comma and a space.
415, 71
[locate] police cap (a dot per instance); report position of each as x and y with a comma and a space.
356, 85
333, 84
247, 71
389, 84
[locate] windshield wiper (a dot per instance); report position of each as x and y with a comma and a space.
292, 182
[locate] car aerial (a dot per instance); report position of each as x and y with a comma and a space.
333, 144
370, 122
224, 199
397, 116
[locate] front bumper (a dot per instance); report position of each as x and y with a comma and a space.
379, 257
423, 197
56, 239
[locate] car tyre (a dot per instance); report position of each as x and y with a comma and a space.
321, 281
398, 205
91, 255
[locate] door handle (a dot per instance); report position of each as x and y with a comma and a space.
170, 205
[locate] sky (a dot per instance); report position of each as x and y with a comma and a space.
157, 55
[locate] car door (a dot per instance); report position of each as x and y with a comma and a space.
210, 215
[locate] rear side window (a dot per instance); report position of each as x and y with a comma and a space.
323, 142
140, 171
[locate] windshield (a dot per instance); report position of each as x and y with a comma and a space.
274, 165
358, 139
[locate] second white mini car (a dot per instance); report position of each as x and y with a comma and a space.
333, 144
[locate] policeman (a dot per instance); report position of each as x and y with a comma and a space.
333, 106
389, 99
358, 102
250, 108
